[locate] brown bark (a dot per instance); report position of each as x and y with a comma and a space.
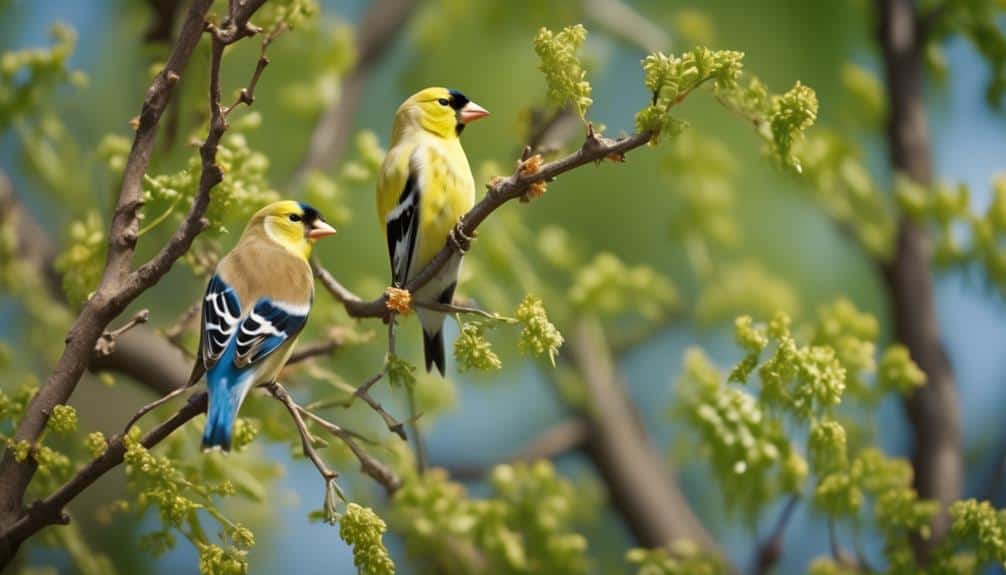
933, 410
120, 285
641, 488
14, 475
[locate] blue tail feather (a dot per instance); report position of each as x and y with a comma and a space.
219, 424
227, 387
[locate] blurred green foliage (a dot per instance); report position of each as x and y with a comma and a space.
698, 240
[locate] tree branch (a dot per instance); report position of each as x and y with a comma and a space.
14, 475
106, 343
594, 149
49, 511
933, 409
119, 286
647, 496
771, 549
368, 465
307, 440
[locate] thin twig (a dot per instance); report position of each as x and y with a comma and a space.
174, 332
152, 406
310, 351
413, 415
771, 549
106, 343
368, 464
247, 95
307, 440
372, 467
837, 553
363, 392
417, 435
455, 309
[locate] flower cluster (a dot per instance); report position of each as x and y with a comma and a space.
898, 373
28, 76
400, 372
746, 435
184, 495
217, 560
473, 351
962, 234
791, 115
96, 443
63, 419
748, 449
538, 335
287, 13
83, 260
682, 558
608, 287
558, 61
781, 119
670, 79
524, 527
361, 528
982, 525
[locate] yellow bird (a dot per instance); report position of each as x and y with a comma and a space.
424, 187
255, 307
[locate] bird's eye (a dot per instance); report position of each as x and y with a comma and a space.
443, 101
294, 218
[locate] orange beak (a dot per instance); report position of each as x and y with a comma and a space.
320, 229
471, 112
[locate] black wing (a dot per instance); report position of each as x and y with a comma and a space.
268, 326
221, 314
403, 228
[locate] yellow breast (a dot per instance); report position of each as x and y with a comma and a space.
448, 192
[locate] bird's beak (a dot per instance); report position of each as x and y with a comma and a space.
320, 229
471, 112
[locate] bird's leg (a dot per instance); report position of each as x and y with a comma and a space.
462, 242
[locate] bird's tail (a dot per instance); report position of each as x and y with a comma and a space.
433, 321
433, 345
225, 401
219, 424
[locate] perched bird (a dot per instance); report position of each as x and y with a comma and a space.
255, 306
424, 187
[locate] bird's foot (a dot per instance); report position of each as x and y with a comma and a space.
462, 242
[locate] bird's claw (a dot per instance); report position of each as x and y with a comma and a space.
462, 242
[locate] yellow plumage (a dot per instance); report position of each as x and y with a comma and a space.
424, 187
